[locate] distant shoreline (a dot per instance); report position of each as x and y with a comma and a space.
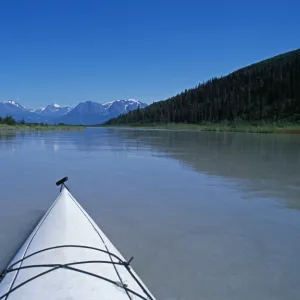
219, 127
37, 127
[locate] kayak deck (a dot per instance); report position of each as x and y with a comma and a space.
71, 239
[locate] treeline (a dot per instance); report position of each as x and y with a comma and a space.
9, 120
266, 91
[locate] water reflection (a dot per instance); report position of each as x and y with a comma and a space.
265, 164
7, 136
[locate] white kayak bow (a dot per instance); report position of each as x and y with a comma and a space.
67, 256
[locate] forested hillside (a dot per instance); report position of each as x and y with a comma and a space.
265, 91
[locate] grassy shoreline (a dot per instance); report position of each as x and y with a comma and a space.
29, 127
220, 127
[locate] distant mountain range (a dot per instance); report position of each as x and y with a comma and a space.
53, 111
85, 113
89, 113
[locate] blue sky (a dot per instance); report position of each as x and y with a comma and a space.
72, 51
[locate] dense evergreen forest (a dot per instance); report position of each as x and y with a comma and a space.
266, 91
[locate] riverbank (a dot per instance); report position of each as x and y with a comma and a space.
37, 127
221, 127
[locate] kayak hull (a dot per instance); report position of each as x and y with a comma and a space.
71, 235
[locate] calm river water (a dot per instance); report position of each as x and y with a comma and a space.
212, 216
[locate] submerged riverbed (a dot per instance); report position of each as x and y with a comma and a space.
206, 215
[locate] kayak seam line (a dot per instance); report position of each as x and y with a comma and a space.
33, 236
126, 266
85, 214
66, 266
62, 246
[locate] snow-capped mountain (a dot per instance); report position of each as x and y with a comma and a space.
91, 113
123, 106
85, 113
17, 111
53, 110
14, 105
